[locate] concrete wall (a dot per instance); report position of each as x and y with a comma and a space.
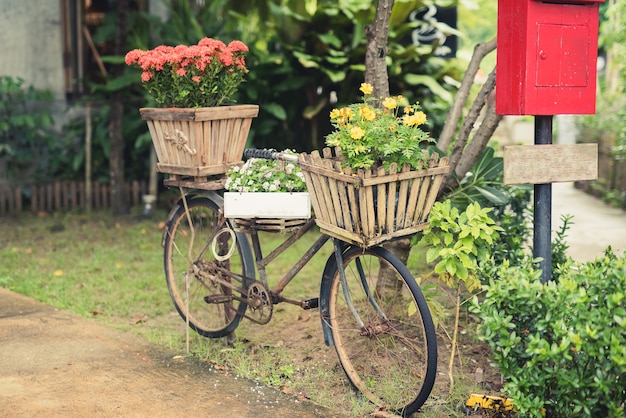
31, 43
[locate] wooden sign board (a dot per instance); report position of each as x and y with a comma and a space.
550, 163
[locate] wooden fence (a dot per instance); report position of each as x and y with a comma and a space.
63, 196
611, 171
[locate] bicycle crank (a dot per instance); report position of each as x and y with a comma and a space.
260, 306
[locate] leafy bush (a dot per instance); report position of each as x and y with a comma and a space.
560, 346
26, 135
460, 241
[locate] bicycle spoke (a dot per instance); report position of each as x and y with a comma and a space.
387, 355
213, 306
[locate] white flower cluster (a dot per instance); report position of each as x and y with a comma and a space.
261, 175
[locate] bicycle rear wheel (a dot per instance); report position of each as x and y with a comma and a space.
384, 338
201, 286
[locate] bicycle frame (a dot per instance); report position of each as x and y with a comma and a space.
222, 267
262, 262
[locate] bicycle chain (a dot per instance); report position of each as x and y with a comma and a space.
260, 304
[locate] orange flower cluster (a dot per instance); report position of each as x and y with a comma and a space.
199, 75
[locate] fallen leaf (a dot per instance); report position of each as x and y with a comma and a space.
138, 319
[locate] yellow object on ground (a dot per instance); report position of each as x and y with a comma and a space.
489, 402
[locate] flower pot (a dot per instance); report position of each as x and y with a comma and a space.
270, 205
199, 141
369, 207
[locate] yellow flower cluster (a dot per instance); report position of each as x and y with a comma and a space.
366, 112
369, 134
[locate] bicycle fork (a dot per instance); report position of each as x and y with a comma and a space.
325, 293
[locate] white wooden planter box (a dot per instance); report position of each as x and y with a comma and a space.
275, 205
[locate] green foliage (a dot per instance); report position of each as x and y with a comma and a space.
515, 219
460, 240
305, 58
70, 159
560, 345
511, 207
27, 140
560, 261
315, 56
483, 183
608, 125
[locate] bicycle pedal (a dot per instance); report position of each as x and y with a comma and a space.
311, 303
218, 299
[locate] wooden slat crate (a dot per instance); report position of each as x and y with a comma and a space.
199, 142
268, 225
369, 207
198, 182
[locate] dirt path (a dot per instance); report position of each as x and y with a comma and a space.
56, 364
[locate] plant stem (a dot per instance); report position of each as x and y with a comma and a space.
454, 338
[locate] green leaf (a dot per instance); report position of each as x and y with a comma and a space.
466, 261
306, 60
451, 267
330, 39
120, 83
276, 110
113, 59
335, 76
431, 83
311, 111
432, 254
495, 196
337, 60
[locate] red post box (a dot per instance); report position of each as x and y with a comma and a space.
546, 57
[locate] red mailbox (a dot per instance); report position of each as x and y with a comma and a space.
546, 57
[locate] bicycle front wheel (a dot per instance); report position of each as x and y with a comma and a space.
200, 255
383, 334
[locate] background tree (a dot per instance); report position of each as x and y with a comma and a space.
119, 200
308, 57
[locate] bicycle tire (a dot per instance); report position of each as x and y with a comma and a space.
392, 362
186, 259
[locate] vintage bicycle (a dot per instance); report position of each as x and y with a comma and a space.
216, 274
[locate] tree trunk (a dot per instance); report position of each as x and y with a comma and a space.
464, 155
119, 200
464, 152
377, 34
456, 112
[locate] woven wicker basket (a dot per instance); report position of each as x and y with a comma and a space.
371, 206
199, 142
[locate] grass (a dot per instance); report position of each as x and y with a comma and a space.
93, 266
111, 270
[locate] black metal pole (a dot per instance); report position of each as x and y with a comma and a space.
543, 206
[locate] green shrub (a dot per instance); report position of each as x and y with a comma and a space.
560, 346
26, 135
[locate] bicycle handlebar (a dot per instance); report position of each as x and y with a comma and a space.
269, 154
